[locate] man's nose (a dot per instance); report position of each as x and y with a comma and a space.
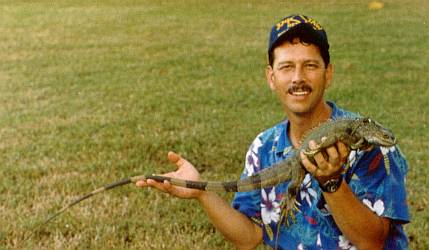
298, 76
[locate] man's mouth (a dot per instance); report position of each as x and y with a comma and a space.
299, 93
299, 90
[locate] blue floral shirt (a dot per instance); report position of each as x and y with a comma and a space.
377, 178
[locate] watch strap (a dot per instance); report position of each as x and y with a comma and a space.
331, 185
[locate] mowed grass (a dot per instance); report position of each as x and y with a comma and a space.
94, 91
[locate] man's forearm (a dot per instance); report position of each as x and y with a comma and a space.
358, 223
234, 226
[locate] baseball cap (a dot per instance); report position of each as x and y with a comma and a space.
301, 24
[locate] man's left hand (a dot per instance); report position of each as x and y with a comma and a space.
328, 166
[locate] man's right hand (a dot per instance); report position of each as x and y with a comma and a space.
235, 226
185, 170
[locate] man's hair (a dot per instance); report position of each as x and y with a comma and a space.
305, 38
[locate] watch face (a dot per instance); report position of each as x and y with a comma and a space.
331, 185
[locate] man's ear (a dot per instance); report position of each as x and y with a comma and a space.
269, 74
329, 75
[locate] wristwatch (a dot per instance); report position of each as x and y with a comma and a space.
331, 185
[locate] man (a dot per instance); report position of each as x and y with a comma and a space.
364, 207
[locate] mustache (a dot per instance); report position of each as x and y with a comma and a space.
299, 88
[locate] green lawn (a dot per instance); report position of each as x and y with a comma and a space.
94, 91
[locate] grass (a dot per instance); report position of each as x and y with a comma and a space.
93, 91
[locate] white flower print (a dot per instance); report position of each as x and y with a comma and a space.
252, 160
378, 207
344, 243
319, 241
386, 150
306, 191
352, 157
270, 208
326, 210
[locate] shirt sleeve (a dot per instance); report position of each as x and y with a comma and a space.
248, 203
378, 179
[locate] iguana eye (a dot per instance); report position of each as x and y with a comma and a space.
367, 120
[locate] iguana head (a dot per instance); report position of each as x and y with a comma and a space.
373, 133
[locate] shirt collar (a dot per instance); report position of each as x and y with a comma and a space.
284, 144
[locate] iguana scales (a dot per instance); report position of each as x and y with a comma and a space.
356, 133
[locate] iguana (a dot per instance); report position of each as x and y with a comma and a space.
356, 133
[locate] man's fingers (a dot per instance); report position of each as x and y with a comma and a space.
333, 155
343, 150
319, 158
173, 157
311, 168
162, 186
326, 163
141, 183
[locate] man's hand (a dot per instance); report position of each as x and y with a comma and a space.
329, 167
185, 170
365, 229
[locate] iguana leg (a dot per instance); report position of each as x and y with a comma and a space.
289, 202
325, 142
358, 144
289, 206
312, 152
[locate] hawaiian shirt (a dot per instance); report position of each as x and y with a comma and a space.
376, 177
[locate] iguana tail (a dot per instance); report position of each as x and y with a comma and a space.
86, 196
266, 178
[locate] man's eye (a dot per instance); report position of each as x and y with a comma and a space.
285, 67
312, 66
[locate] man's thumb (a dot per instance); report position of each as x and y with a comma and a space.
173, 157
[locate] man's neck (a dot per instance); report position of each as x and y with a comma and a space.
300, 124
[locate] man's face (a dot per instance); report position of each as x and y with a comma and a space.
299, 77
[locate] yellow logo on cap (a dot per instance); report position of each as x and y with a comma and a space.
293, 21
